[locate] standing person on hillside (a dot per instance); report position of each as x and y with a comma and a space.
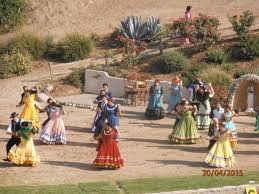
203, 116
176, 93
155, 108
188, 16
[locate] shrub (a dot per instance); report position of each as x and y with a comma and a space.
28, 43
242, 23
74, 47
12, 14
216, 56
217, 77
76, 78
246, 50
171, 62
14, 63
191, 73
229, 67
240, 73
202, 30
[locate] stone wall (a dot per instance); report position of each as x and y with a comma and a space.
94, 80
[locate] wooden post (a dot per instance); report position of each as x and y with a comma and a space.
161, 46
50, 71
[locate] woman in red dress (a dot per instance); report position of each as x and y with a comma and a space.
108, 152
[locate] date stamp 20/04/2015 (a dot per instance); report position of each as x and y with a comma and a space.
216, 172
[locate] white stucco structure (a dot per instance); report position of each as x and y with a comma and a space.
94, 80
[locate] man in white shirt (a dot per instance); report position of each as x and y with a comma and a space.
12, 130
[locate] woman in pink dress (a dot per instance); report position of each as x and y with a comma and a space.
53, 132
188, 16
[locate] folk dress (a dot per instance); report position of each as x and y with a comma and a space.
113, 118
25, 153
108, 155
229, 124
53, 132
221, 155
185, 131
175, 97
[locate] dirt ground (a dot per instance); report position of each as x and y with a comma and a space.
144, 146
59, 17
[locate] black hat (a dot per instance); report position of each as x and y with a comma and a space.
14, 114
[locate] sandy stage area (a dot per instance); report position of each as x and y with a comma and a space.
144, 146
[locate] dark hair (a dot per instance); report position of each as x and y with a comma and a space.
176, 106
183, 102
188, 8
105, 84
24, 87
49, 99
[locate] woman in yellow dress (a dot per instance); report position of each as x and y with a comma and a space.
25, 153
221, 155
30, 110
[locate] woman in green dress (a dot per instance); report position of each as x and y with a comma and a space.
185, 132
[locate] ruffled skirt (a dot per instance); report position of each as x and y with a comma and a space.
25, 154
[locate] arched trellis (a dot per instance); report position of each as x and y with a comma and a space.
234, 86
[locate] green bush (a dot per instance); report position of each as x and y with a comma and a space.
240, 72
246, 50
191, 73
12, 14
28, 43
216, 76
14, 63
74, 47
216, 56
171, 62
76, 78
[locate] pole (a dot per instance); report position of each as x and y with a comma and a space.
50, 71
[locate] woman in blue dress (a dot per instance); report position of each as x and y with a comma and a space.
229, 124
176, 93
155, 106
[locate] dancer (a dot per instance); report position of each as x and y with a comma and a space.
12, 130
25, 153
203, 116
229, 124
176, 93
33, 92
106, 90
155, 106
108, 152
213, 129
113, 113
100, 115
257, 119
53, 132
178, 110
30, 110
221, 155
185, 132
99, 98
47, 109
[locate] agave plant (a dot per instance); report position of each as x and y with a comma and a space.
134, 28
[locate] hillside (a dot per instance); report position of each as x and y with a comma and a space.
58, 17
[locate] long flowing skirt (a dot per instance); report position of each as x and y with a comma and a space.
54, 132
221, 155
25, 154
154, 102
185, 132
203, 117
96, 117
30, 113
233, 133
108, 156
173, 100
